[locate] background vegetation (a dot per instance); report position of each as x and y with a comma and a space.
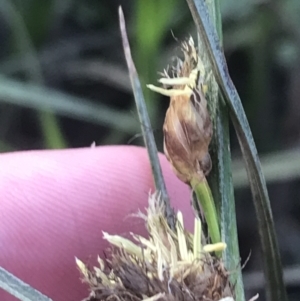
63, 83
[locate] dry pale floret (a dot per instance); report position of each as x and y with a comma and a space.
168, 265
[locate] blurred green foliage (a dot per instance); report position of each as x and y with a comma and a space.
43, 40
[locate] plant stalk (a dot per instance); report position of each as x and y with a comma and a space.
275, 289
206, 201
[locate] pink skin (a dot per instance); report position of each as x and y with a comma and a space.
54, 206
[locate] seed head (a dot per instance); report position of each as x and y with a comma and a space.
187, 127
166, 266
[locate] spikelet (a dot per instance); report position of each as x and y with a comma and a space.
187, 127
169, 265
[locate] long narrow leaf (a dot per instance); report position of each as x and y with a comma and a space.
221, 176
277, 167
145, 123
33, 96
52, 135
222, 188
19, 289
272, 265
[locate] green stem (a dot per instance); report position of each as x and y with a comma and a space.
207, 204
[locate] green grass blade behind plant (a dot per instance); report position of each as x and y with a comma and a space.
278, 167
37, 97
52, 134
275, 289
221, 176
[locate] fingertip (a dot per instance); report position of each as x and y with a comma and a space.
55, 204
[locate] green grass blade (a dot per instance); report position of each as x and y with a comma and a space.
278, 167
275, 289
19, 289
52, 134
145, 123
222, 188
53, 137
37, 97
221, 177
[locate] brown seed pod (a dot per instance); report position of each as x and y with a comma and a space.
187, 127
187, 134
